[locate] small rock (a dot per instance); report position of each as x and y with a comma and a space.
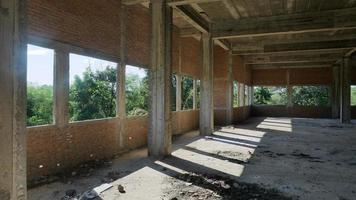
174, 198
121, 189
74, 173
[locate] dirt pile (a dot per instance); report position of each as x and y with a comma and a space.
214, 187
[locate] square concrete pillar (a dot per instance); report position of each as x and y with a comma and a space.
206, 95
229, 92
345, 98
335, 93
13, 52
160, 133
61, 88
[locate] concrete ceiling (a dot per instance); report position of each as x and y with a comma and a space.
282, 32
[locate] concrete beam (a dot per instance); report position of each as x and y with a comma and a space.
230, 6
292, 58
61, 88
300, 47
160, 132
292, 65
13, 100
331, 20
192, 17
206, 94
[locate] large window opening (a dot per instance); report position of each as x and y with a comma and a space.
187, 93
246, 100
137, 91
92, 88
311, 95
40, 66
269, 95
235, 95
353, 95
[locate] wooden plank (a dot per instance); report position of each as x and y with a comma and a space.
286, 24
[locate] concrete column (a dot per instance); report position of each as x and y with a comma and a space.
120, 76
345, 98
289, 92
179, 93
61, 88
13, 100
241, 94
335, 93
160, 133
195, 91
229, 92
206, 94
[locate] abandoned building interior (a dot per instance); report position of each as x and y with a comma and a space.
178, 99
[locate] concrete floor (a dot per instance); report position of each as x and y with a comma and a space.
304, 158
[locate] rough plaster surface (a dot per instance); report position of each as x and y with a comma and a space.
309, 158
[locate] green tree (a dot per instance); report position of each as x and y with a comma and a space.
311, 95
187, 93
94, 95
262, 95
137, 93
39, 105
353, 95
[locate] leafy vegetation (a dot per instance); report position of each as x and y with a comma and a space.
235, 94
270, 95
187, 93
137, 95
353, 95
39, 104
311, 95
93, 96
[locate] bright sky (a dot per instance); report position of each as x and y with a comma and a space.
40, 63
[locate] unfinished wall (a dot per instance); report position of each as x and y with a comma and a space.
301, 76
220, 72
95, 27
77, 22
242, 74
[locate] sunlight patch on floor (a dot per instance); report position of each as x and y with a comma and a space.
210, 162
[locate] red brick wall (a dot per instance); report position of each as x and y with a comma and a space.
310, 76
306, 76
89, 24
138, 36
269, 77
295, 111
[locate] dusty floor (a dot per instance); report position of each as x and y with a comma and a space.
303, 158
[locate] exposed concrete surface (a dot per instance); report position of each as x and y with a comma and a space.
305, 158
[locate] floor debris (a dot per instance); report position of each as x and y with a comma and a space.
213, 187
